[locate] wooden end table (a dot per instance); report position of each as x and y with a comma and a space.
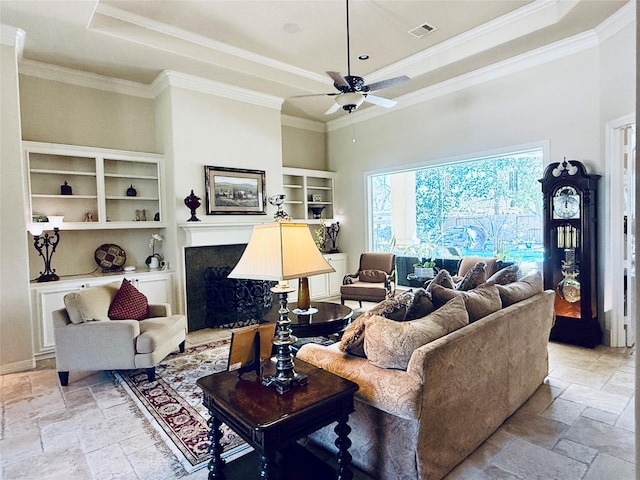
329, 318
269, 421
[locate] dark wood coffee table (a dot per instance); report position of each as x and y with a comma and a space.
330, 318
269, 421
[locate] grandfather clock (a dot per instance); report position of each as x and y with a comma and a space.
570, 251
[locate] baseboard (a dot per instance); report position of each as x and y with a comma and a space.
18, 366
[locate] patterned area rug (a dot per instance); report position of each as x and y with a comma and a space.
173, 403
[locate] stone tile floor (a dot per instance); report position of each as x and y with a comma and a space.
578, 425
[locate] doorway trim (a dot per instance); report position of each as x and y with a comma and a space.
613, 241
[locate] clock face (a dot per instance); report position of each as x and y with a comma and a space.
566, 203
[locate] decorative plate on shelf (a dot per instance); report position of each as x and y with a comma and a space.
110, 257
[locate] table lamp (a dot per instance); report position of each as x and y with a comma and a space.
46, 244
281, 251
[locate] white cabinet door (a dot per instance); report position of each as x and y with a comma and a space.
157, 289
319, 286
44, 301
339, 262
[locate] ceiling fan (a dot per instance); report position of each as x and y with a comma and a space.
353, 91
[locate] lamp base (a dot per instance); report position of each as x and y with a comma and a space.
49, 277
282, 385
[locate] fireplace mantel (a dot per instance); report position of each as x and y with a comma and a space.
201, 234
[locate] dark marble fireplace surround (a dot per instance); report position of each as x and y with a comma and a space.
213, 300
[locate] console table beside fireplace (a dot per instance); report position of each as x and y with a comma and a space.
269, 421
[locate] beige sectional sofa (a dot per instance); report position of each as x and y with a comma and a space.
419, 423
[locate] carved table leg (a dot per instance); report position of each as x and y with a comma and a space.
343, 443
216, 464
267, 467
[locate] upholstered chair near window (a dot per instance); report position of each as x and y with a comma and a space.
112, 327
374, 281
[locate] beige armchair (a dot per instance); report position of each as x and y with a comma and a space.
374, 281
87, 339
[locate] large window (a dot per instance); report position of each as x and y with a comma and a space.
486, 206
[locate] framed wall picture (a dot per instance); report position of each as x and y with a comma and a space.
234, 191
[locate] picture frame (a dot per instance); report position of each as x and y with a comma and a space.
234, 191
250, 347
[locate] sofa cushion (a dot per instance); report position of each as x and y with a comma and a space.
389, 344
517, 291
476, 276
480, 302
421, 305
505, 275
372, 276
129, 303
90, 304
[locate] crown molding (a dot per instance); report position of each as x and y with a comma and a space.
169, 31
12, 37
622, 18
170, 78
303, 123
525, 61
79, 78
524, 20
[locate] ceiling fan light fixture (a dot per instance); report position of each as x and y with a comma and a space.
350, 100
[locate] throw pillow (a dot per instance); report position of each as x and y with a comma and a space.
474, 277
390, 344
479, 302
392, 308
90, 304
443, 277
352, 340
421, 305
505, 276
129, 304
372, 276
517, 291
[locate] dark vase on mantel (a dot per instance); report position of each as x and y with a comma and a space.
192, 202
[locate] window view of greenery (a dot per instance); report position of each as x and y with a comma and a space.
485, 207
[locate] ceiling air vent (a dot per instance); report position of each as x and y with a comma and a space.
422, 30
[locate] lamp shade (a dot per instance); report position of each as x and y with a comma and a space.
280, 251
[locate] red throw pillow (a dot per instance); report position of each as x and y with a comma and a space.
129, 304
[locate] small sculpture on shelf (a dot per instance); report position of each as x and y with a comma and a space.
65, 189
277, 201
192, 202
332, 232
317, 211
88, 216
131, 192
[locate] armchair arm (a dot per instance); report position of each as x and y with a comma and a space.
348, 278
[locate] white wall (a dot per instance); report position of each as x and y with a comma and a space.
16, 347
201, 128
559, 102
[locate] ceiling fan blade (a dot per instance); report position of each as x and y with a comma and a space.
390, 82
332, 94
338, 79
332, 109
383, 102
